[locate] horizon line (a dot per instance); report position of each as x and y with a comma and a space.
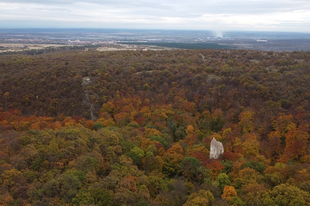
153, 29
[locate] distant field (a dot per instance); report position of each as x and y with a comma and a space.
27, 47
184, 45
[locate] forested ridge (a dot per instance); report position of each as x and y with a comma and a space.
154, 116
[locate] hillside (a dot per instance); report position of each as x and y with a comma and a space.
51, 84
134, 128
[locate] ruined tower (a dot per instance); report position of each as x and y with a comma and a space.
216, 149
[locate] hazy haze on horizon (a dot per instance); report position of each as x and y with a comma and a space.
219, 15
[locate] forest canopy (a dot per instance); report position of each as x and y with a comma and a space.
134, 128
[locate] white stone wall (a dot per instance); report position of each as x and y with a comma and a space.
216, 149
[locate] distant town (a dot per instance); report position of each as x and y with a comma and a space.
21, 40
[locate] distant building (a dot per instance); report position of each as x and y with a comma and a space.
261, 40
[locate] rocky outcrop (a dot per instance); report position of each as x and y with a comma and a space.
216, 149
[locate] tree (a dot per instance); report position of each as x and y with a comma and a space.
203, 198
143, 194
250, 147
153, 164
108, 107
97, 126
156, 184
258, 166
90, 162
214, 166
159, 139
6, 198
136, 154
231, 156
190, 130
189, 167
83, 197
247, 176
10, 177
217, 121
179, 134
296, 140
285, 194
172, 159
66, 186
229, 192
236, 201
283, 124
254, 194
246, 122
223, 180
274, 146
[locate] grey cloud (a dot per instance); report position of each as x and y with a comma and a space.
192, 8
158, 13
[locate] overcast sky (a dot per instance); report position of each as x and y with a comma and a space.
221, 15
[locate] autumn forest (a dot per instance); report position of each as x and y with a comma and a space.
134, 128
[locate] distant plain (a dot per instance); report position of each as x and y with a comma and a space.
19, 40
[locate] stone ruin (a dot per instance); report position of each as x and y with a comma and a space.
87, 100
86, 81
216, 149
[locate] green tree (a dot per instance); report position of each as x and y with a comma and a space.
179, 133
136, 154
66, 186
258, 166
285, 194
156, 184
101, 196
223, 180
236, 201
97, 126
189, 167
83, 197
203, 198
159, 139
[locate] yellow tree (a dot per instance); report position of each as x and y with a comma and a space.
246, 123
172, 159
250, 147
247, 176
190, 130
283, 124
229, 192
10, 177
